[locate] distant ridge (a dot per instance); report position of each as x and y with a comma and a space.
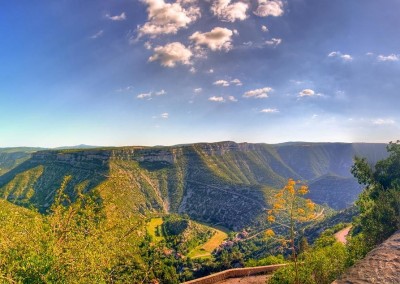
80, 146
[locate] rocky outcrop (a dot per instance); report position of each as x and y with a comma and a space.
380, 266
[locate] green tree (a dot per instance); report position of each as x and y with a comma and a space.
379, 203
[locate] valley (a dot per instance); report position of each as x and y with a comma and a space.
185, 210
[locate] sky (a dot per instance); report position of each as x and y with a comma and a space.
165, 72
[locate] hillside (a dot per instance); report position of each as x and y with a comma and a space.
12, 157
220, 183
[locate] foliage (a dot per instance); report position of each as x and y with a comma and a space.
379, 203
269, 260
319, 266
77, 242
322, 263
289, 210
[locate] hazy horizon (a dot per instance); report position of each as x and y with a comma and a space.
188, 143
158, 72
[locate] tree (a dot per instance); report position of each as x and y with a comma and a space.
288, 211
379, 203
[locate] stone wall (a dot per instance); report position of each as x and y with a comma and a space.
234, 273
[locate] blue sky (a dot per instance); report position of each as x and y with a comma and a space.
158, 72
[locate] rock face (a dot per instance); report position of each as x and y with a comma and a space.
381, 265
222, 183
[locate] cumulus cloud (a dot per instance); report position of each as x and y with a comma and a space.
236, 82
144, 96
383, 121
160, 93
167, 18
269, 110
264, 29
221, 83
338, 54
217, 39
216, 99
121, 17
148, 45
258, 93
226, 11
269, 8
391, 57
274, 41
308, 93
165, 115
232, 99
171, 54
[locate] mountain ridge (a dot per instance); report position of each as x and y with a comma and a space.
221, 183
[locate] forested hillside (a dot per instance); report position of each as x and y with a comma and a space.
225, 183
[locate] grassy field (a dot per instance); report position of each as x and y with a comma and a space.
205, 250
154, 229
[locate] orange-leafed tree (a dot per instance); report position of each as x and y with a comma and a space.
289, 210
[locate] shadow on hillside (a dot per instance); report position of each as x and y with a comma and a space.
17, 183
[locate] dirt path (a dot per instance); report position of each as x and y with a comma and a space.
342, 234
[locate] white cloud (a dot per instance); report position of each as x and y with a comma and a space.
383, 121
167, 18
197, 90
269, 110
274, 41
144, 96
308, 93
149, 95
346, 57
192, 70
269, 8
236, 82
121, 17
338, 54
171, 54
97, 35
232, 99
148, 45
391, 57
217, 39
210, 71
236, 32
216, 99
126, 89
226, 11
258, 93
221, 83
264, 29
160, 93
165, 115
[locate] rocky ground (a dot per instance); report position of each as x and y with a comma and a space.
381, 265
